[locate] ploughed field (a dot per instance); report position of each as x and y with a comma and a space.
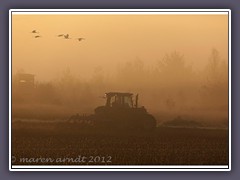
62, 143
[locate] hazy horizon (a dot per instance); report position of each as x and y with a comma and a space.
111, 41
178, 64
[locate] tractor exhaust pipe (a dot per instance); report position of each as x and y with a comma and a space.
136, 103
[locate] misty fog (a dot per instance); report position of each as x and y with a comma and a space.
169, 88
177, 63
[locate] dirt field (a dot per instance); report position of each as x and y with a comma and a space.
42, 143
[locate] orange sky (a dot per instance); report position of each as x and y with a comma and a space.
111, 40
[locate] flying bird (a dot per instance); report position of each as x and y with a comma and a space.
37, 36
80, 39
34, 31
66, 36
60, 35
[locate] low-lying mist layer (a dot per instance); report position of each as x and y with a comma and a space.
169, 90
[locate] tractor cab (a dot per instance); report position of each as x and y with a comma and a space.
120, 100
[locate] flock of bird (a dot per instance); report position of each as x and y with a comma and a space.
64, 36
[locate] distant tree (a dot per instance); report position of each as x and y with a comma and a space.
216, 71
69, 88
97, 79
132, 74
215, 80
172, 69
173, 62
46, 93
67, 78
176, 79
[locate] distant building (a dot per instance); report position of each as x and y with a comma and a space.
25, 81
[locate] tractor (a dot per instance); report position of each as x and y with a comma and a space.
121, 112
